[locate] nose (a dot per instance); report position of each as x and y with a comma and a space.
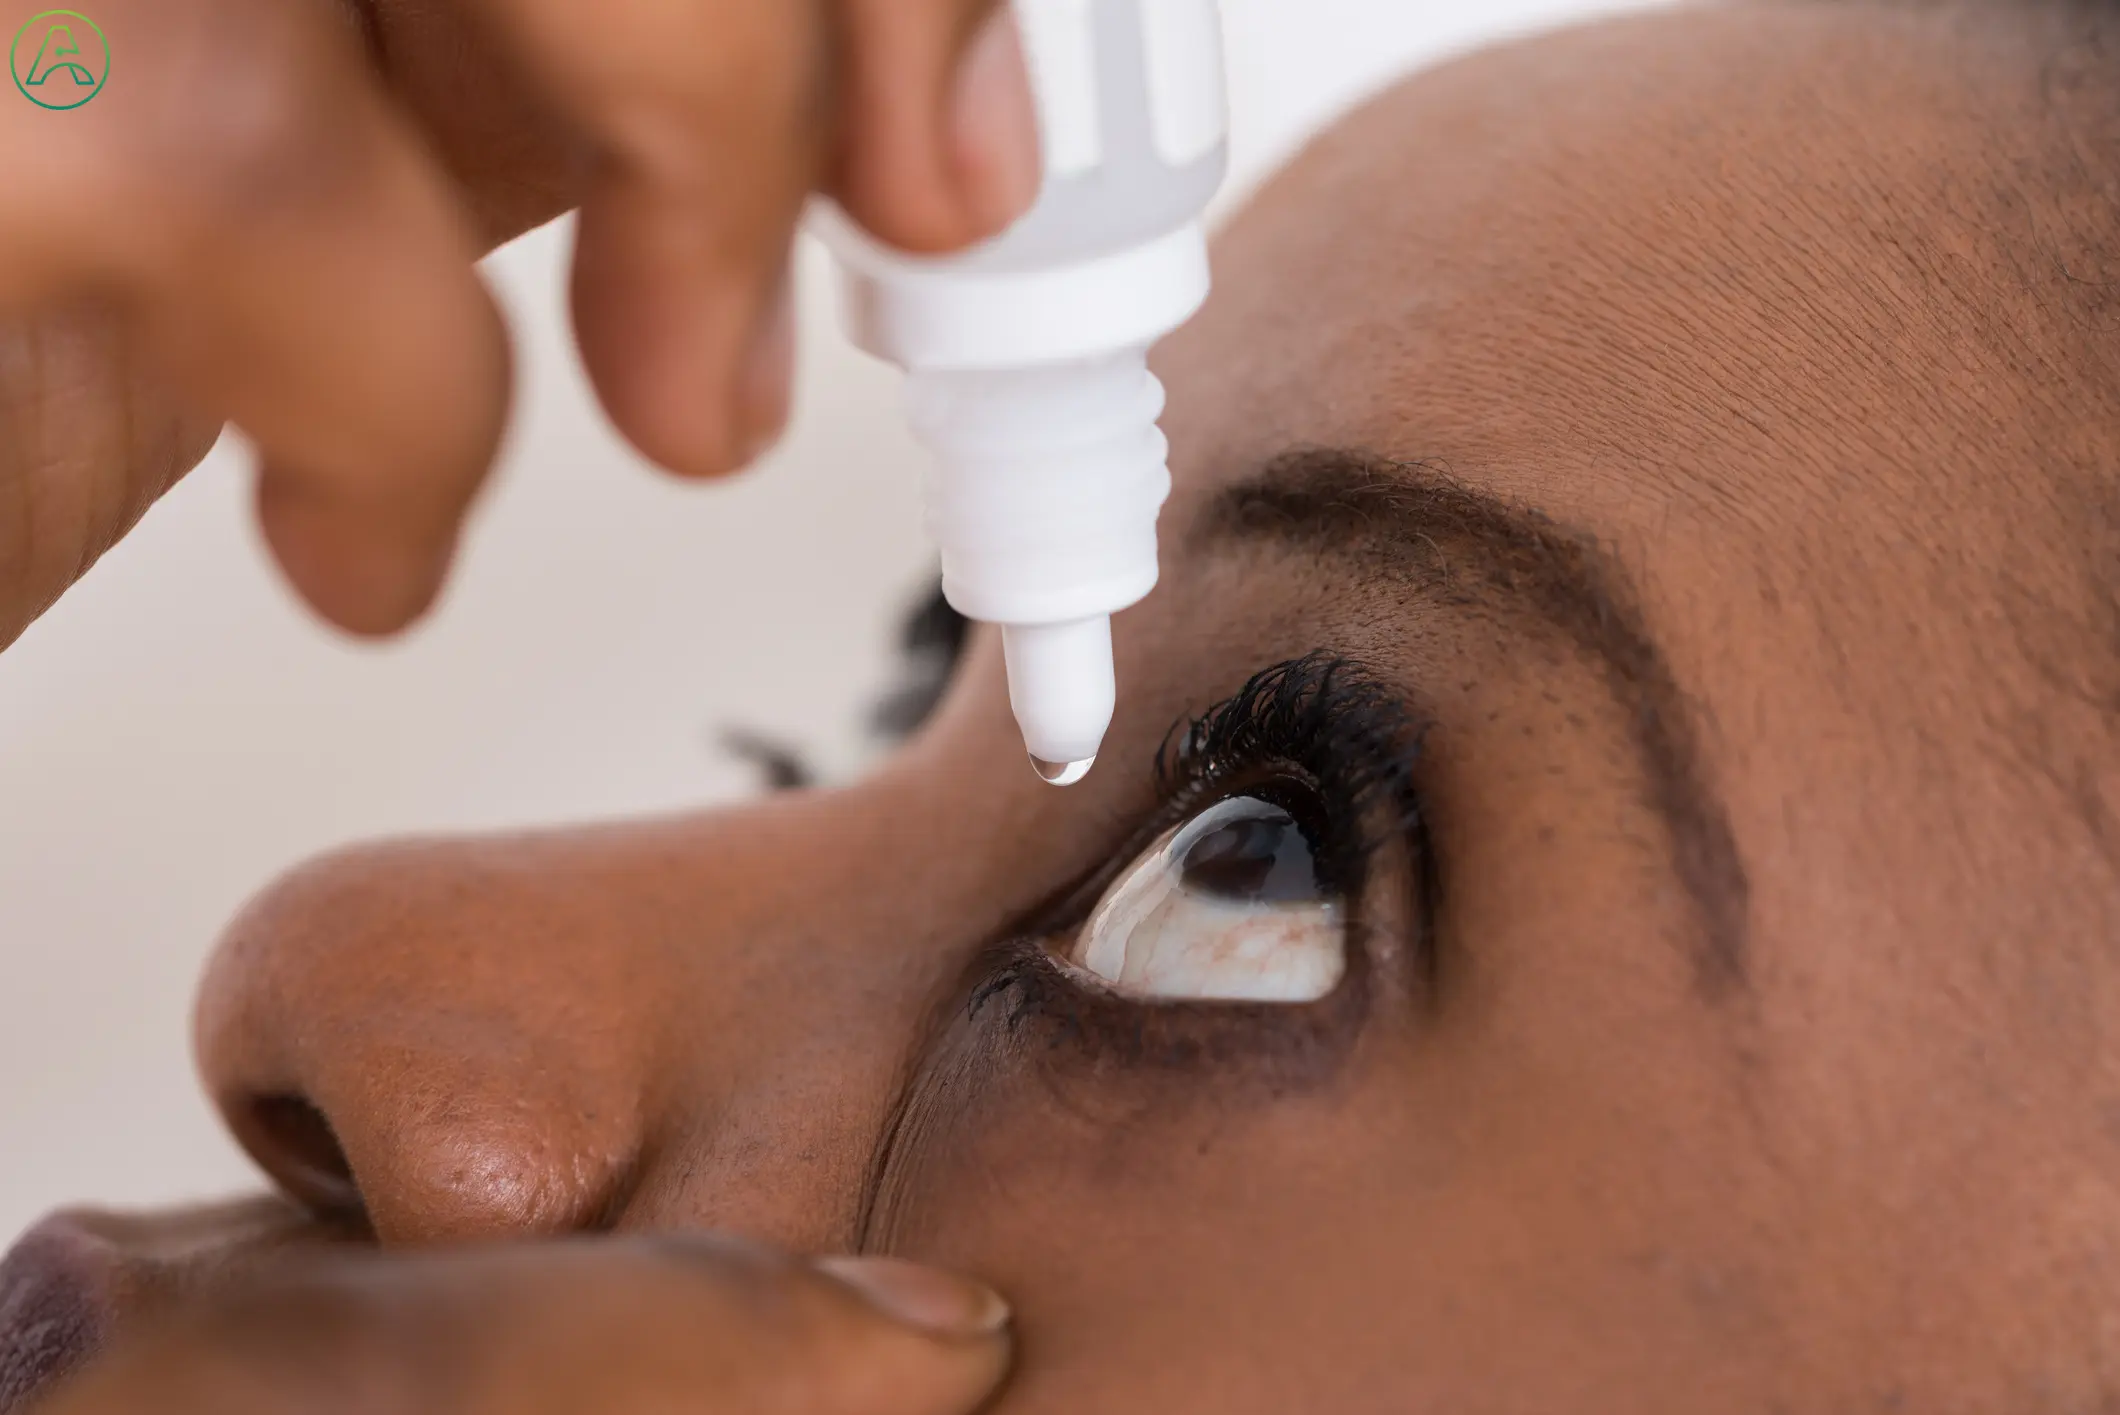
372, 1055
684, 1023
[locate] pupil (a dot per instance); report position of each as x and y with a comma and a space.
1261, 859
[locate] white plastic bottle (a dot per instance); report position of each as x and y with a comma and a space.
1027, 357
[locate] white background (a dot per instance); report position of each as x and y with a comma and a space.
177, 731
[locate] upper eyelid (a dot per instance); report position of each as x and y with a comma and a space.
1304, 696
1070, 906
1187, 784
1364, 743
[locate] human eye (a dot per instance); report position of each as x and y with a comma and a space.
1270, 912
1278, 800
1274, 903
1284, 879
1227, 906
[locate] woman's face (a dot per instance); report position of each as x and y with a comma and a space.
1657, 956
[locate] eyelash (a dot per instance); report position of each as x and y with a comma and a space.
1326, 721
1323, 739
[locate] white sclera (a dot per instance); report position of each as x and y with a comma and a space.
1187, 82
1150, 937
1060, 48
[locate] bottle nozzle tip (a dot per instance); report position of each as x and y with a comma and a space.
1062, 773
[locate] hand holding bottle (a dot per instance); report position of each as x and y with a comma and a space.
269, 213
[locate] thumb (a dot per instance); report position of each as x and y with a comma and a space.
626, 1326
941, 1303
960, 1355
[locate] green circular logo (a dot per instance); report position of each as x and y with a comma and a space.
60, 59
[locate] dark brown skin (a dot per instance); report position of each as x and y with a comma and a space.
269, 217
1757, 1052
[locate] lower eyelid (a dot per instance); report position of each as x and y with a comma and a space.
1056, 1016
1024, 1027
1023, 999
1030, 1034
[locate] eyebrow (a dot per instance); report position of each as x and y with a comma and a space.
1460, 545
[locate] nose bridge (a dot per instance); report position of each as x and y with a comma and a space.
840, 920
691, 1021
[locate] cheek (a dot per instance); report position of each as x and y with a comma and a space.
1430, 1228
1163, 1256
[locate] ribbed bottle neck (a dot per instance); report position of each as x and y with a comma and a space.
1045, 486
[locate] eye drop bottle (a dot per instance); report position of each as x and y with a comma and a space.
1026, 358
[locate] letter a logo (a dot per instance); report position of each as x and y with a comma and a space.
60, 59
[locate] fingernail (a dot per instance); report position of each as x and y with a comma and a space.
994, 125
934, 1301
766, 387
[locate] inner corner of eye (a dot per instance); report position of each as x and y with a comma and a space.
1226, 906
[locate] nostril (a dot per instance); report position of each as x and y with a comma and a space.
294, 1140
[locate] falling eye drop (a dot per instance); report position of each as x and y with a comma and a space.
1026, 358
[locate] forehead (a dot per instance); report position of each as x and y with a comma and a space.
1783, 305
1667, 260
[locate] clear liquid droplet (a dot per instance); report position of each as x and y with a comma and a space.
1062, 773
